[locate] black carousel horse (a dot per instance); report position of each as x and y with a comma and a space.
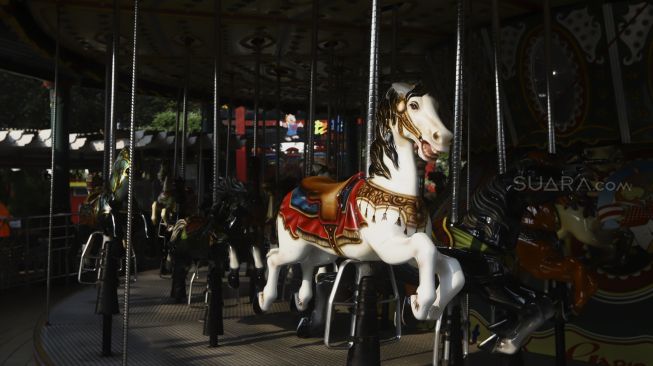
230, 228
485, 242
105, 210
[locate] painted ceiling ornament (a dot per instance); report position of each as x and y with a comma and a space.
586, 29
635, 35
510, 37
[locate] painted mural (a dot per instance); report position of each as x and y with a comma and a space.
616, 224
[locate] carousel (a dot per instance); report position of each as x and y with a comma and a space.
373, 182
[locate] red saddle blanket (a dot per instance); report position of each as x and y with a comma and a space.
302, 216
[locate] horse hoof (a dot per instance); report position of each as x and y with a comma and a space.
418, 311
434, 313
260, 278
233, 279
303, 328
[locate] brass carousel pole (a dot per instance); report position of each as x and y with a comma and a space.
130, 193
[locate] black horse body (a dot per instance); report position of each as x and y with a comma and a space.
494, 222
229, 223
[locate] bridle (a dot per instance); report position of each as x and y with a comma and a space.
405, 122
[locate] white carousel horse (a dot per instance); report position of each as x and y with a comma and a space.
379, 218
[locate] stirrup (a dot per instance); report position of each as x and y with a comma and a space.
90, 260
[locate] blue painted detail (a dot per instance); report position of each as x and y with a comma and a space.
299, 201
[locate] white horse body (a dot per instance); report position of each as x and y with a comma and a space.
381, 238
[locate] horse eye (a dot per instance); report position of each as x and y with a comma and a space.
414, 106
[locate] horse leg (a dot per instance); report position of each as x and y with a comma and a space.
399, 249
585, 284
260, 267
234, 265
542, 261
451, 279
290, 251
315, 258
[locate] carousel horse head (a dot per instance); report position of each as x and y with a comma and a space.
120, 175
407, 115
94, 183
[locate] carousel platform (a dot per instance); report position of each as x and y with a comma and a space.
164, 333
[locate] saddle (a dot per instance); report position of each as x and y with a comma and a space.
324, 212
325, 190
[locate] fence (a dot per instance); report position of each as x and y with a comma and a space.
23, 255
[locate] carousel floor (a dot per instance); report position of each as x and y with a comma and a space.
164, 333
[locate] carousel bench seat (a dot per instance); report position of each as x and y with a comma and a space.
326, 190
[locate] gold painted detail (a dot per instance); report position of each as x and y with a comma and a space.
334, 242
412, 211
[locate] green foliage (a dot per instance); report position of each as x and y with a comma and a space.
24, 102
165, 121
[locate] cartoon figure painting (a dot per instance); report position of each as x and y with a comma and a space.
290, 122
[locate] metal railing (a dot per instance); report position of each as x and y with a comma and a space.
24, 253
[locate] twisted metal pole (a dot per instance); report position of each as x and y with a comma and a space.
309, 146
112, 101
217, 118
227, 153
458, 109
277, 130
184, 123
372, 84
130, 191
496, 35
53, 118
548, 69
257, 91
175, 165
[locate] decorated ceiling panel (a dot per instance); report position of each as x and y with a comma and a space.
176, 39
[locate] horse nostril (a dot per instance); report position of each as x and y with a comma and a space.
436, 136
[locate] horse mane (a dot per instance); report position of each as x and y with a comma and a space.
384, 143
489, 202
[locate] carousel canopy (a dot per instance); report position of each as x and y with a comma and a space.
177, 41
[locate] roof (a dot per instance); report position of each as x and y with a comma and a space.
177, 41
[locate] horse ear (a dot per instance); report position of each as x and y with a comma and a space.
401, 106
